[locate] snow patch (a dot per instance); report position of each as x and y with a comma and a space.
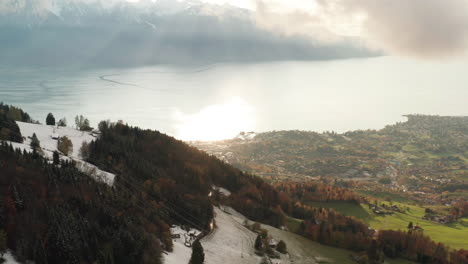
9, 258
230, 242
181, 253
95, 172
222, 190
246, 135
48, 135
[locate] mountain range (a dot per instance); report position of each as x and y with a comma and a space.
119, 33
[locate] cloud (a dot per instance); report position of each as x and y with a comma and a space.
293, 22
419, 28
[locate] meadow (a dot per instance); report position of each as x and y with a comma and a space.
453, 235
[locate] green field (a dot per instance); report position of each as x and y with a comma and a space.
453, 235
311, 251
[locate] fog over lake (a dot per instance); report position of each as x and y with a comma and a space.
220, 100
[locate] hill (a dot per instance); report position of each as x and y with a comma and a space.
52, 211
419, 159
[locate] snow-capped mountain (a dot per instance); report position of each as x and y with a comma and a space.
120, 33
36, 13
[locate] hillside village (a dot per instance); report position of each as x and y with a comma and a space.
213, 213
425, 156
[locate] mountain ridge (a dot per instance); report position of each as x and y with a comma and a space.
135, 34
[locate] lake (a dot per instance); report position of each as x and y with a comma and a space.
218, 101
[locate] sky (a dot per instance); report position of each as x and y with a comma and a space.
424, 29
428, 29
423, 45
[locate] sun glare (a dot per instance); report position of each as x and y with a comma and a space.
216, 122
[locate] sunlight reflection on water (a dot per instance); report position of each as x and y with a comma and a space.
220, 100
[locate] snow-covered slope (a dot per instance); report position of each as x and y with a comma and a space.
181, 253
222, 190
48, 144
230, 242
44, 134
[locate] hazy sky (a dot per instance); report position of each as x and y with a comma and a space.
417, 28
426, 41
427, 29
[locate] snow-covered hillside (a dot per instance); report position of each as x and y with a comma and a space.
181, 253
230, 242
46, 135
48, 144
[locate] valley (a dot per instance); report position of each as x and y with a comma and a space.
418, 166
233, 132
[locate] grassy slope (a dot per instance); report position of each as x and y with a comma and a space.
309, 248
453, 235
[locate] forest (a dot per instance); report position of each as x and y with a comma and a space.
9, 130
52, 213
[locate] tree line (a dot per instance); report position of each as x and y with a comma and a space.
52, 213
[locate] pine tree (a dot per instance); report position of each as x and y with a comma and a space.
375, 254
35, 143
62, 122
3, 242
198, 255
56, 158
258, 243
50, 120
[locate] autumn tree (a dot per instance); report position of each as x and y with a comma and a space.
65, 145
281, 247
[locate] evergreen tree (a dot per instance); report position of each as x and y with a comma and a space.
35, 143
198, 255
3, 242
375, 255
410, 226
50, 120
62, 122
56, 158
84, 150
258, 243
